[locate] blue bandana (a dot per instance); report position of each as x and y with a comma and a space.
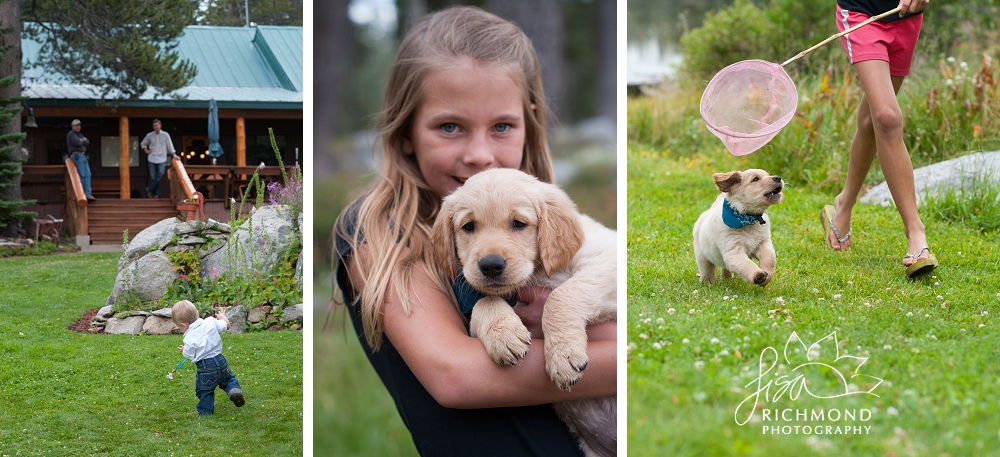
738, 220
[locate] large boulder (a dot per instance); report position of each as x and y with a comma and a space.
255, 246
148, 240
938, 178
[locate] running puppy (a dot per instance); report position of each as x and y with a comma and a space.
504, 230
735, 229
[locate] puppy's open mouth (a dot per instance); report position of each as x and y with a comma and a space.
774, 193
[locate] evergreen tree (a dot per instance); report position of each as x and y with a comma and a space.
123, 47
11, 204
262, 12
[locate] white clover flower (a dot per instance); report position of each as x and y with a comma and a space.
779, 299
837, 296
647, 320
643, 336
698, 364
657, 346
671, 311
725, 297
685, 341
691, 313
695, 292
892, 411
631, 347
915, 350
940, 297
659, 320
887, 347
715, 341
724, 352
963, 65
950, 59
909, 314
949, 82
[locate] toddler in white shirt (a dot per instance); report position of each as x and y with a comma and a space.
203, 346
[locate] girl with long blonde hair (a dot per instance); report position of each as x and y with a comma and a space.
464, 95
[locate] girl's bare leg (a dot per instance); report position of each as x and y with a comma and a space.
880, 130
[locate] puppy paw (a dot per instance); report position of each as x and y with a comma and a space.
565, 363
761, 278
506, 340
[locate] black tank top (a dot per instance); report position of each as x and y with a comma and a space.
440, 431
874, 8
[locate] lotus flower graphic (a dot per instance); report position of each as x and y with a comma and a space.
815, 372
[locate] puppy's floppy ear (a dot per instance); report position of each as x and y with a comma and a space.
560, 235
443, 240
726, 181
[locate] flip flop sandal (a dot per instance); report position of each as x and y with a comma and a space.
826, 218
921, 266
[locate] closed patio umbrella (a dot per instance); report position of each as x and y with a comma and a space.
214, 148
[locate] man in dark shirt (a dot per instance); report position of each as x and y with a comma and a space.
77, 144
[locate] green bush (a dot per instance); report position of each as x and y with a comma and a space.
775, 33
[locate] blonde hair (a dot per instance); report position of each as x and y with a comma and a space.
397, 211
183, 312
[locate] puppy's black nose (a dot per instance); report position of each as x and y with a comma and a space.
776, 178
492, 266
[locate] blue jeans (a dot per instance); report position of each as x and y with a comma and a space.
212, 373
156, 171
83, 169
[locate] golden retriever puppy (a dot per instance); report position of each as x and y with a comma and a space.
504, 230
735, 229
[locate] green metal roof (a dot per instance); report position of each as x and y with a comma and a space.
259, 67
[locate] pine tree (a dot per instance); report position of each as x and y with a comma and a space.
123, 47
262, 12
11, 213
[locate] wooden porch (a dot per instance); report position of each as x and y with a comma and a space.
59, 192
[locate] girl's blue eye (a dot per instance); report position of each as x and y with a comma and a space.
449, 127
502, 127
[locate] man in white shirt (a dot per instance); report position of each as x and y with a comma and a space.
203, 346
157, 145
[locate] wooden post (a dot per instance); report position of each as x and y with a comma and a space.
241, 142
123, 158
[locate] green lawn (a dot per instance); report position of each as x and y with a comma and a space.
67, 393
693, 349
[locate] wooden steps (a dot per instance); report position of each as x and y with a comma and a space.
108, 218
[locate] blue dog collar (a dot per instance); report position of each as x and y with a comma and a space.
738, 220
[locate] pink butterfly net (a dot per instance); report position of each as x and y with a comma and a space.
747, 104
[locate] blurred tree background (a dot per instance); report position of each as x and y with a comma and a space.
950, 101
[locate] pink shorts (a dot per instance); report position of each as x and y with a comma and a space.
892, 42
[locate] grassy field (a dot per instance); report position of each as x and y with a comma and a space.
694, 349
68, 393
353, 412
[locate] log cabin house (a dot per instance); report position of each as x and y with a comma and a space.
255, 76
